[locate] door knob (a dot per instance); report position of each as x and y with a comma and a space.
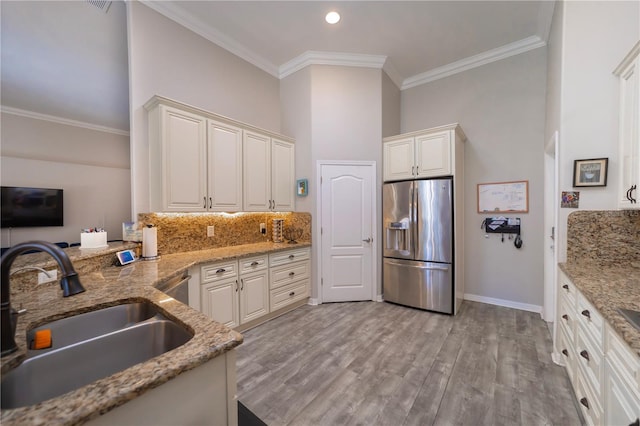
368, 240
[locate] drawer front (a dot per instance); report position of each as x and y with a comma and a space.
289, 256
253, 264
591, 319
565, 346
589, 404
590, 360
622, 358
290, 273
566, 317
567, 288
289, 294
218, 271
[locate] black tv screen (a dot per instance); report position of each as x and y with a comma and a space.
31, 207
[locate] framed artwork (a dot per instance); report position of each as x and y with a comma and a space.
302, 187
592, 172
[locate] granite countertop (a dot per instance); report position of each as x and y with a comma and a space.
608, 288
114, 285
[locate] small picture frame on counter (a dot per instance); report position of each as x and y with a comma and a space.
591, 172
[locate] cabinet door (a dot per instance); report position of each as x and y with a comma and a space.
282, 175
256, 170
629, 136
219, 302
433, 153
224, 153
399, 159
184, 160
254, 296
621, 402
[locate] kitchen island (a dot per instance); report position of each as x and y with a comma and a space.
112, 285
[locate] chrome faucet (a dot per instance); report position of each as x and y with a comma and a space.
70, 284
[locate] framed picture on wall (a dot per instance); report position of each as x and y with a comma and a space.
592, 172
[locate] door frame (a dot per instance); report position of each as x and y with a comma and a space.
551, 197
374, 222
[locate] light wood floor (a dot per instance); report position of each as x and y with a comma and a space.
382, 364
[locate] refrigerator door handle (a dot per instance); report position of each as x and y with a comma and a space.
431, 267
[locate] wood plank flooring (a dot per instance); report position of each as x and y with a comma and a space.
369, 363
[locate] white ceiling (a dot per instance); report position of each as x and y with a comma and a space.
69, 59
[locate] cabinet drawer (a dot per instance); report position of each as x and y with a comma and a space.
622, 358
218, 271
567, 319
591, 319
565, 346
253, 264
289, 273
291, 293
589, 404
567, 289
289, 256
589, 359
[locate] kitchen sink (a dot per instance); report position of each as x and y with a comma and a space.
632, 316
145, 334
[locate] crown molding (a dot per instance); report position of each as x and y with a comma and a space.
61, 120
493, 55
197, 26
331, 58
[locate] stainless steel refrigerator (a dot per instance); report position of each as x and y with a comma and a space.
418, 244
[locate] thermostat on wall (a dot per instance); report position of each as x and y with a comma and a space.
126, 256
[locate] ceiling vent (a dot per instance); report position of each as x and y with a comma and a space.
103, 5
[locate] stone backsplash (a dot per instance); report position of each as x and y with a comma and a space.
610, 237
180, 232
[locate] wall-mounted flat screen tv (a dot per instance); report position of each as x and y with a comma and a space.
31, 207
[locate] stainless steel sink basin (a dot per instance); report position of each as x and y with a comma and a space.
632, 316
45, 375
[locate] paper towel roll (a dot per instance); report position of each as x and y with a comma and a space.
149, 242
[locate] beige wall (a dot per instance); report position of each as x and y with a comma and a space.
169, 60
391, 99
501, 108
92, 167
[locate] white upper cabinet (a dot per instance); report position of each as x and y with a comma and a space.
200, 161
269, 173
629, 130
422, 154
224, 159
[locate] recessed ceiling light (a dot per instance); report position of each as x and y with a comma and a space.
332, 17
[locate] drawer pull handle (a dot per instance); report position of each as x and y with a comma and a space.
236, 286
565, 352
565, 317
254, 263
221, 270
291, 274
584, 402
293, 293
586, 313
566, 287
291, 256
584, 354
241, 284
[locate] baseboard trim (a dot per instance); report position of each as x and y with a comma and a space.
379, 298
313, 301
502, 302
557, 359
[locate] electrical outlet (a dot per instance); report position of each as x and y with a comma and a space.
210, 231
43, 278
263, 229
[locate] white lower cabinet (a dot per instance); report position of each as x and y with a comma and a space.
237, 292
604, 371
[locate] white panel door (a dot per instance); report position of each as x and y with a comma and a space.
224, 152
256, 170
433, 153
347, 206
219, 302
254, 295
282, 175
184, 160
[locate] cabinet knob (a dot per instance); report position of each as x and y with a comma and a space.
221, 270
566, 287
293, 293
584, 402
586, 313
584, 354
291, 274
565, 352
565, 317
254, 263
291, 256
